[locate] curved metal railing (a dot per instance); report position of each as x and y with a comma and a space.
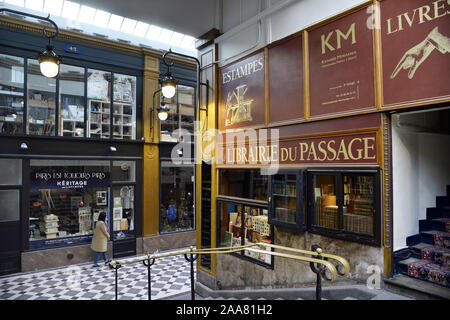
319, 262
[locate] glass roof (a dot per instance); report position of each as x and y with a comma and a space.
72, 15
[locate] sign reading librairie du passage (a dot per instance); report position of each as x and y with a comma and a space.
242, 86
416, 51
342, 66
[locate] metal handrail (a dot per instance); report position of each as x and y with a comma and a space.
317, 259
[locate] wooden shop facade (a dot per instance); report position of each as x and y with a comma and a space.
304, 150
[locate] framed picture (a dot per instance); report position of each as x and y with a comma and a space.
117, 213
102, 198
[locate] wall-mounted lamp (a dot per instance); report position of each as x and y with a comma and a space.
49, 61
168, 85
23, 146
162, 112
113, 149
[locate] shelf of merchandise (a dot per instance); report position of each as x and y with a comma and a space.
99, 119
69, 126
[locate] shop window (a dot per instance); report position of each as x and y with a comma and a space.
180, 114
123, 212
124, 171
346, 205
124, 107
10, 204
66, 198
11, 94
248, 184
71, 101
99, 104
243, 222
41, 101
287, 201
177, 197
11, 172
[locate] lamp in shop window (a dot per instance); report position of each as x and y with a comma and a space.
49, 61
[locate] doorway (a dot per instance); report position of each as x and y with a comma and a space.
10, 208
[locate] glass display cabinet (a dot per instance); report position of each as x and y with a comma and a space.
287, 199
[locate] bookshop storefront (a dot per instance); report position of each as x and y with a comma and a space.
305, 189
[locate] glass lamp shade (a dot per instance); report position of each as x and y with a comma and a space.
162, 115
168, 86
49, 62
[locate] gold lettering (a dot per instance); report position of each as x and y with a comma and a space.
332, 150
343, 150
322, 150
312, 150
303, 149
359, 150
274, 153
389, 27
351, 31
262, 154
368, 147
325, 43
230, 159
244, 154
284, 154
437, 7
424, 14
251, 156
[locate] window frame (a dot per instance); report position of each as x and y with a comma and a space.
26, 55
340, 233
301, 201
220, 200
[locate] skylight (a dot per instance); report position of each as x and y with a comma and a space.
70, 10
153, 32
37, 5
87, 14
76, 14
115, 22
141, 29
101, 18
128, 25
19, 3
165, 36
53, 7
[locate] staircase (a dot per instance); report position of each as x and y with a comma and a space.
427, 256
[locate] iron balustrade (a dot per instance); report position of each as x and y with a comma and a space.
319, 262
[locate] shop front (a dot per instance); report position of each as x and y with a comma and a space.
325, 137
70, 147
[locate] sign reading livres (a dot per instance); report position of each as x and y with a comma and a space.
242, 86
341, 66
415, 44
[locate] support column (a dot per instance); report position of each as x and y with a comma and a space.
151, 150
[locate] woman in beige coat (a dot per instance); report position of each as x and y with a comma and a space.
100, 240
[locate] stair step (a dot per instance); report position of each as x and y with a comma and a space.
443, 202
437, 255
439, 224
420, 238
436, 213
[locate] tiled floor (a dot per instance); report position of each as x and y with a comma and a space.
169, 276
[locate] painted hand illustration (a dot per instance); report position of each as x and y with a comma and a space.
415, 56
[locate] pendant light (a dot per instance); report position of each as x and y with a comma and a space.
168, 85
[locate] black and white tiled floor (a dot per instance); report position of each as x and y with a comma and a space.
169, 276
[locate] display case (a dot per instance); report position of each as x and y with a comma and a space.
243, 222
287, 199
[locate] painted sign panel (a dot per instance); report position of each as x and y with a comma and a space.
242, 86
415, 47
347, 149
286, 81
68, 178
341, 66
